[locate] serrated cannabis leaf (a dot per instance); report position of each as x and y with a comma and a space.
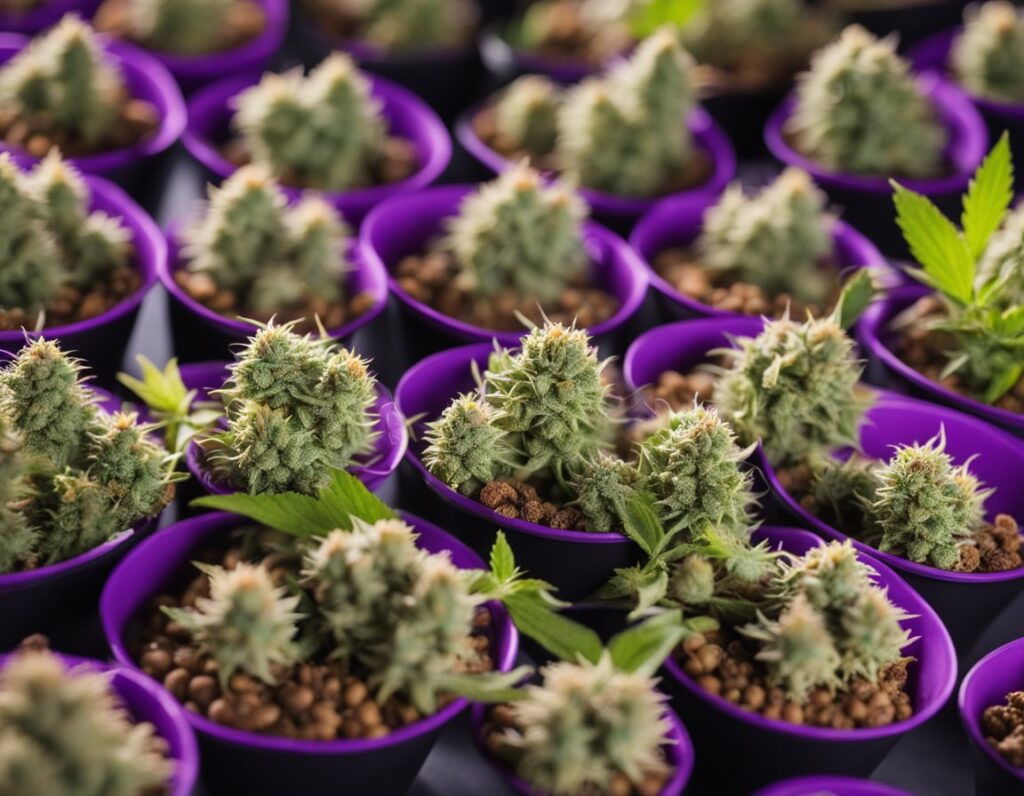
642, 525
559, 635
649, 588
643, 647
502, 560
492, 687
303, 515
988, 197
858, 292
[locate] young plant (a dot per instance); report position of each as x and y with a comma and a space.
985, 324
518, 233
64, 79
625, 133
64, 731
988, 57
774, 240
182, 27
859, 110
323, 130
526, 116
296, 407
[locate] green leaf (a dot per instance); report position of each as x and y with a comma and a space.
1004, 382
643, 647
305, 516
502, 560
650, 589
642, 525
936, 244
858, 292
647, 17
492, 687
989, 196
163, 391
559, 635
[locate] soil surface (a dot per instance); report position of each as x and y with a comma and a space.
1003, 726
345, 19
71, 304
245, 21
680, 390
521, 501
568, 37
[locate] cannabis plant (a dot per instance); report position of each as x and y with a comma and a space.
405, 25
519, 233
981, 316
526, 116
64, 78
729, 33
774, 240
183, 27
269, 254
625, 132
296, 407
859, 110
466, 448
988, 57
64, 731
18, 538
323, 130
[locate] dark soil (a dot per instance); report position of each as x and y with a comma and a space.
724, 665
1003, 726
245, 21
315, 700
500, 718
925, 350
431, 279
72, 304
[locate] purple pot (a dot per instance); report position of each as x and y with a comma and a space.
888, 370
933, 54
235, 761
619, 212
678, 751
200, 334
388, 451
866, 201
678, 222
147, 80
195, 71
912, 20
146, 701
768, 746
209, 121
987, 684
423, 392
967, 602
830, 786
60, 600
101, 341
407, 224
49, 13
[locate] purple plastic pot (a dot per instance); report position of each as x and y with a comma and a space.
200, 334
406, 225
209, 122
933, 54
47, 14
388, 451
911, 19
619, 212
101, 341
887, 369
146, 701
235, 761
423, 393
147, 80
678, 222
967, 602
830, 786
195, 71
60, 600
678, 752
866, 201
987, 684
773, 749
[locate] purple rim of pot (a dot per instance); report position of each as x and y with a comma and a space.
14, 581
833, 786
986, 684
678, 222
210, 114
150, 259
435, 369
146, 79
501, 57
968, 141
365, 276
426, 211
678, 749
160, 556
388, 448
872, 334
933, 54
708, 137
44, 16
935, 673
993, 447
146, 701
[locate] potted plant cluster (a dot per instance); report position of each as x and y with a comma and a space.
627, 137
